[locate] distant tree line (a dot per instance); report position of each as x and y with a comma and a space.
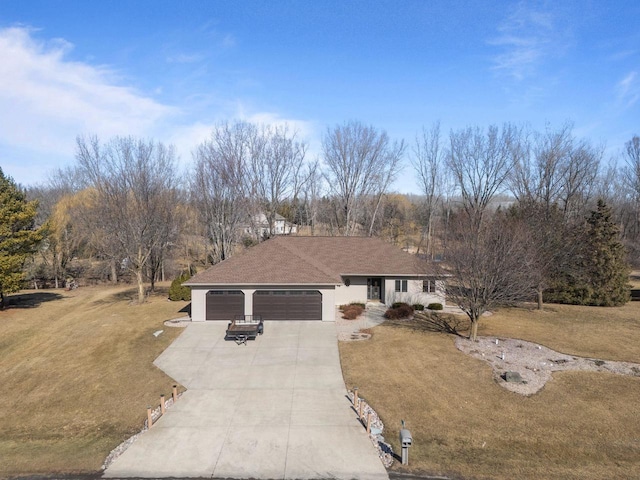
499, 206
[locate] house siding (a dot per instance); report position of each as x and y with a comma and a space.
355, 292
198, 298
414, 293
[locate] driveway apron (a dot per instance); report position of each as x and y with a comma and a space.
273, 409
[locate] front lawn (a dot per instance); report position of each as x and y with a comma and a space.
76, 372
580, 426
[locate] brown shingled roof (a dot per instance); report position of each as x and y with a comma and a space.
311, 260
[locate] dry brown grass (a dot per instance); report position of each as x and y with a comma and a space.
77, 373
610, 333
580, 426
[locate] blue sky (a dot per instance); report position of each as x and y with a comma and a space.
170, 70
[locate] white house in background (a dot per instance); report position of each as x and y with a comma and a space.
306, 278
260, 226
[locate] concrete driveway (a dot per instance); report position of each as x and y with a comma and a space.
274, 409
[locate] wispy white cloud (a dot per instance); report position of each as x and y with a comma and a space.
525, 39
187, 137
303, 128
185, 58
628, 90
228, 41
305, 131
47, 99
622, 55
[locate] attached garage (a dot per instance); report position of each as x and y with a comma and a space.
224, 304
288, 304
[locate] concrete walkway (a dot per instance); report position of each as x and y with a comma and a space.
371, 317
274, 409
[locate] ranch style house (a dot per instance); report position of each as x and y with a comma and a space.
306, 278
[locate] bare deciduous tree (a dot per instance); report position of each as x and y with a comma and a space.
480, 164
579, 178
312, 194
548, 239
630, 207
428, 160
220, 186
134, 186
489, 267
361, 163
537, 174
276, 170
556, 169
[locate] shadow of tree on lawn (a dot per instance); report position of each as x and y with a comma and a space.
434, 322
30, 300
130, 295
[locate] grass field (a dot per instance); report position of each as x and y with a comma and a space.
580, 426
76, 369
76, 372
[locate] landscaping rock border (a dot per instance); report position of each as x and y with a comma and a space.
178, 322
534, 363
385, 451
120, 449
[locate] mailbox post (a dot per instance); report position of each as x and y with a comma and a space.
405, 442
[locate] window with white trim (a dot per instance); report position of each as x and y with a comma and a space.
401, 285
429, 286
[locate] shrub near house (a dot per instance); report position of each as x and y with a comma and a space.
179, 292
399, 310
352, 311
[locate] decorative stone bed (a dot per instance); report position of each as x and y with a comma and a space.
533, 363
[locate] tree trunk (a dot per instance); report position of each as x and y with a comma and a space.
427, 236
55, 267
540, 290
2, 302
375, 213
140, 280
473, 335
153, 280
114, 272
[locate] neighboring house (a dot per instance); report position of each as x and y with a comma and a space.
260, 226
305, 278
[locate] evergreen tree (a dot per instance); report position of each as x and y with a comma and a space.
18, 238
179, 292
597, 273
606, 260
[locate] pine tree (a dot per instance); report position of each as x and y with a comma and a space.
179, 292
596, 272
18, 238
606, 260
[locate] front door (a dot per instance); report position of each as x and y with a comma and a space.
373, 288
